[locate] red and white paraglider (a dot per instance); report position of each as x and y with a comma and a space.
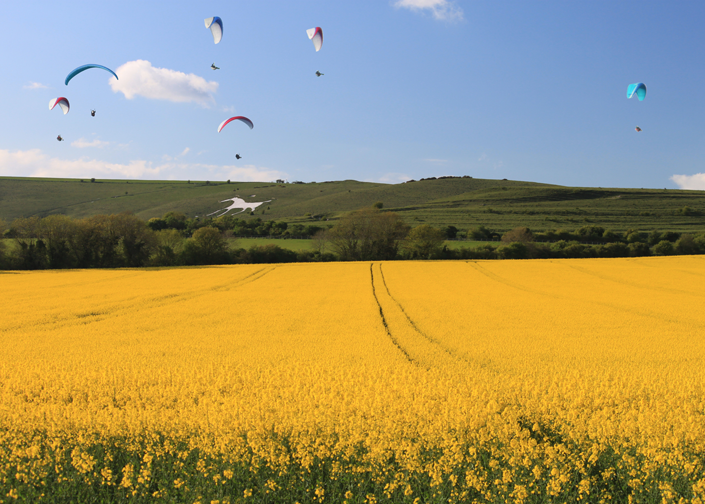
61, 102
236, 118
316, 36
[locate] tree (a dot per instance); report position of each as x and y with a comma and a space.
451, 232
481, 234
157, 224
368, 234
319, 241
169, 246
513, 250
175, 220
520, 234
664, 247
686, 245
424, 242
206, 246
56, 232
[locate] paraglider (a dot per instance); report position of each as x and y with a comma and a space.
92, 113
238, 156
639, 88
316, 36
637, 129
59, 138
83, 68
238, 118
318, 74
214, 67
61, 102
216, 26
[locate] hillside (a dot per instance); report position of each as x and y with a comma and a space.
462, 202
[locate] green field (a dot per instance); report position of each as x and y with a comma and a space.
297, 245
462, 202
291, 244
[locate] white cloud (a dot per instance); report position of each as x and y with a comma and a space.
34, 163
483, 157
82, 143
436, 161
35, 85
140, 78
167, 157
393, 178
441, 9
696, 181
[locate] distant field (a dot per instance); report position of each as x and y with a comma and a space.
297, 245
393, 382
461, 202
291, 244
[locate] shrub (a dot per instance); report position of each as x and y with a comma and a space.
664, 247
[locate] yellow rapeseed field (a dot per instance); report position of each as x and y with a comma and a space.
481, 381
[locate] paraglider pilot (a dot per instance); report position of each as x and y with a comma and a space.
92, 113
238, 156
59, 138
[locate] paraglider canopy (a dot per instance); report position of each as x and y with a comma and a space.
216, 26
83, 68
639, 88
316, 36
61, 102
238, 118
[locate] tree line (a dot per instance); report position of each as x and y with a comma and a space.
124, 240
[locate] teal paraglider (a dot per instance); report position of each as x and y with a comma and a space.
83, 68
639, 88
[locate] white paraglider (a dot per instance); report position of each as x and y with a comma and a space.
216, 26
61, 102
316, 36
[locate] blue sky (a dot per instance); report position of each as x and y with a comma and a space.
524, 90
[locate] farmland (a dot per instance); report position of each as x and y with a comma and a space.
481, 381
465, 203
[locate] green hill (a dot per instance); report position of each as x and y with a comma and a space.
462, 202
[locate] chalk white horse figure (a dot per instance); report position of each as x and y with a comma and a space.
238, 203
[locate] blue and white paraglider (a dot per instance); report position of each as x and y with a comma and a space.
83, 68
639, 88
216, 26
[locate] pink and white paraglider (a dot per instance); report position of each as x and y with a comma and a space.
316, 36
61, 102
236, 118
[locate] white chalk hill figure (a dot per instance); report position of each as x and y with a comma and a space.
239, 203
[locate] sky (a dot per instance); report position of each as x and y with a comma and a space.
523, 90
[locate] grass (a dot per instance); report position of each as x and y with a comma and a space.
462, 202
291, 244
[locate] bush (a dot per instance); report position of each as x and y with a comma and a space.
664, 247
514, 250
686, 245
639, 249
520, 234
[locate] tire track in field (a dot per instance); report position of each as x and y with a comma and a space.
384, 320
416, 328
421, 349
137, 303
571, 299
636, 285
